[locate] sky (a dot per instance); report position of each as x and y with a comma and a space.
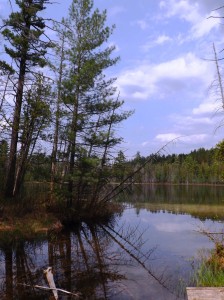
166, 73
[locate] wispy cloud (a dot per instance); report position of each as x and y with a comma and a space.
208, 106
189, 11
159, 40
204, 26
167, 137
142, 24
192, 139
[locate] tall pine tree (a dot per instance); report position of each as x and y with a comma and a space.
23, 31
91, 107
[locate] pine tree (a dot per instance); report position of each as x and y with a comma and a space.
23, 31
91, 107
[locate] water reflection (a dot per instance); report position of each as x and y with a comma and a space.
143, 254
92, 260
203, 202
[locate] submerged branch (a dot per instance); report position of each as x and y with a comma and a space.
50, 289
158, 279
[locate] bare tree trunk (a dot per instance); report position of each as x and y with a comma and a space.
55, 144
219, 77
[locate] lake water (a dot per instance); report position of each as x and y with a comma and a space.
150, 251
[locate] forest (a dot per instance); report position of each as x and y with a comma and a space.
200, 166
58, 109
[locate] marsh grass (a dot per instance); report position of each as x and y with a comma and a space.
208, 275
211, 270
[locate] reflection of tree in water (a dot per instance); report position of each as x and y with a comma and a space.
88, 260
168, 193
83, 261
19, 267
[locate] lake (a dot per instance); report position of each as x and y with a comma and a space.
150, 251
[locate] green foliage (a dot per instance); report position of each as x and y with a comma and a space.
89, 106
23, 30
208, 275
199, 166
120, 167
86, 112
6, 69
39, 168
219, 151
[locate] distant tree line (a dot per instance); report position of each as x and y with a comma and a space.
199, 166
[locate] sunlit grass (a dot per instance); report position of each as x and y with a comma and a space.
211, 270
199, 210
209, 275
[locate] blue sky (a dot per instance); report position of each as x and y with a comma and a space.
164, 73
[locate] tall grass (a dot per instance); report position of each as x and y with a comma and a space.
211, 270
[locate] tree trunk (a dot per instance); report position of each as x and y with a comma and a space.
55, 144
72, 151
10, 179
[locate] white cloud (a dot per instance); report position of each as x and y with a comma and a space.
171, 76
189, 121
158, 41
191, 12
206, 108
191, 139
162, 4
142, 24
204, 26
181, 8
162, 39
167, 137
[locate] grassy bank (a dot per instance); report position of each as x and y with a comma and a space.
37, 211
211, 270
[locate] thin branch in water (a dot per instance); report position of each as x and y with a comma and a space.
50, 289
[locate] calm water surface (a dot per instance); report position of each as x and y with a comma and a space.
150, 251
